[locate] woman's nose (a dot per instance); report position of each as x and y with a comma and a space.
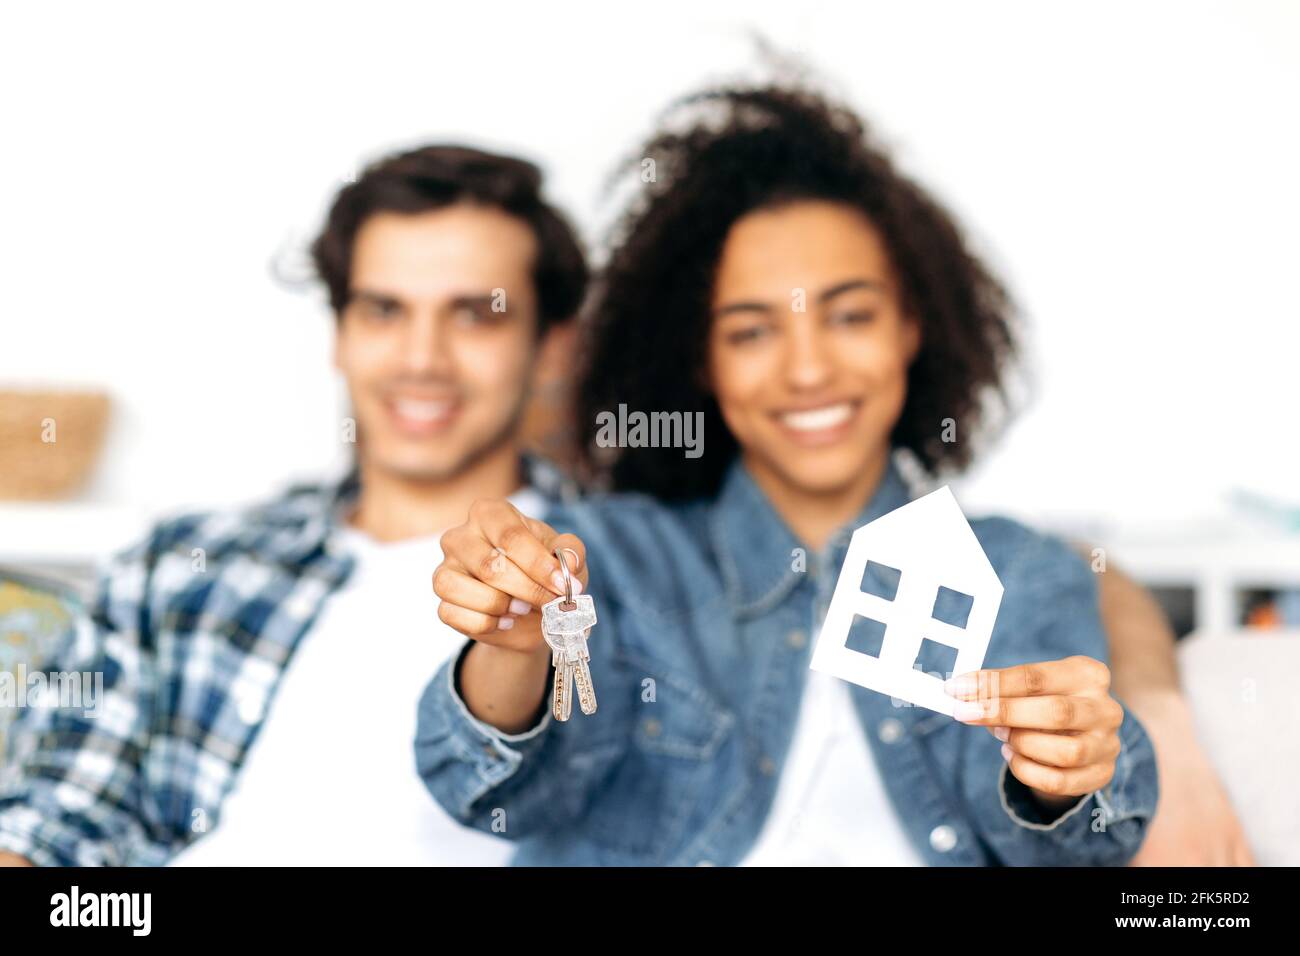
808, 360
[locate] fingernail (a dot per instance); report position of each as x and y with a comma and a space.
520, 608
1006, 753
557, 582
968, 710
964, 686
505, 624
1002, 733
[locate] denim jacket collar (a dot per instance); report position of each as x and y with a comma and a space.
756, 549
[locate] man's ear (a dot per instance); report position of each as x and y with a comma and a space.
336, 348
554, 345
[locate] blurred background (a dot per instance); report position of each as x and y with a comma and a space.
1129, 167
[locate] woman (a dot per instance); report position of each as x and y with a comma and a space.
823, 314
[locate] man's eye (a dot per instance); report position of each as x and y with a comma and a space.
379, 310
470, 315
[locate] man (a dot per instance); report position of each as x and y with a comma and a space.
261, 668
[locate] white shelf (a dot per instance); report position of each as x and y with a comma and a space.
1216, 566
1267, 559
64, 533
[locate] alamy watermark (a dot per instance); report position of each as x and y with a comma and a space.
133, 911
626, 429
65, 690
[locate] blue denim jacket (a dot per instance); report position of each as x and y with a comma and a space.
699, 662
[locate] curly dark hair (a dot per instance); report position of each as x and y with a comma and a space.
648, 317
435, 176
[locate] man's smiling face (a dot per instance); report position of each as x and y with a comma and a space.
438, 337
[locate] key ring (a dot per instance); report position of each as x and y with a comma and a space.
569, 604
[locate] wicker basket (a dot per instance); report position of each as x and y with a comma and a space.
32, 466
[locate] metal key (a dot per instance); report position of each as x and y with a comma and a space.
562, 687
566, 625
566, 629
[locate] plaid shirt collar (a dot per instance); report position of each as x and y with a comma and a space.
306, 515
309, 513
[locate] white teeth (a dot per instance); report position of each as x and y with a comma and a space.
818, 418
422, 411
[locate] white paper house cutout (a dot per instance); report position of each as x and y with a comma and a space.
931, 545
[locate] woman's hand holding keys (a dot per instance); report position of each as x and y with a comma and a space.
498, 569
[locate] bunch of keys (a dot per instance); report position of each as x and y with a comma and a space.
566, 624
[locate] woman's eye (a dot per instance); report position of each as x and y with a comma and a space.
750, 334
379, 310
855, 317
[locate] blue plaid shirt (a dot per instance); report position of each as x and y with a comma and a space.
192, 629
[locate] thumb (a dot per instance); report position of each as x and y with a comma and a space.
575, 551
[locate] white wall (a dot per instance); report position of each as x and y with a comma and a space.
1131, 167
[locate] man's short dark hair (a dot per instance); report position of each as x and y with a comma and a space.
433, 177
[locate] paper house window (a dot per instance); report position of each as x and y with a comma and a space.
866, 637
881, 580
952, 607
935, 658
912, 579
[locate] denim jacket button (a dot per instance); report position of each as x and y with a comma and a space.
943, 838
890, 730
652, 727
796, 639
767, 766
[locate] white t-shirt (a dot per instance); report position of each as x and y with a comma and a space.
330, 778
831, 808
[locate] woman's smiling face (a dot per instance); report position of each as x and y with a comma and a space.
809, 346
